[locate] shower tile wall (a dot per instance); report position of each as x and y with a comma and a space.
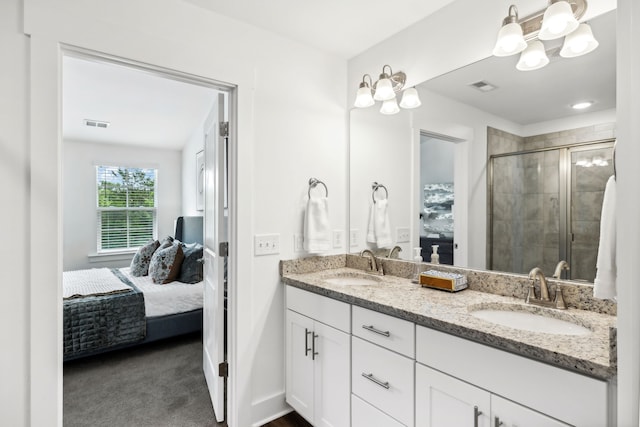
526, 203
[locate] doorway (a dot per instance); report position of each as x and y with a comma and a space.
135, 150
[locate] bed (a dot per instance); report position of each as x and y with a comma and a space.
105, 309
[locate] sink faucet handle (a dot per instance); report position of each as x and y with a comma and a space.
560, 303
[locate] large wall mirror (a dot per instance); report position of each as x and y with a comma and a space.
475, 142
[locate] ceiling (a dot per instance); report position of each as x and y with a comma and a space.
143, 108
342, 27
527, 97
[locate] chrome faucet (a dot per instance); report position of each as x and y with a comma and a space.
394, 250
562, 265
558, 302
374, 263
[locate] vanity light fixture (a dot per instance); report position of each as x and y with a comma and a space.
560, 19
385, 89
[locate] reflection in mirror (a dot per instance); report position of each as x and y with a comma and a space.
532, 106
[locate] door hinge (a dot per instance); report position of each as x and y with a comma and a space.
223, 250
224, 128
223, 370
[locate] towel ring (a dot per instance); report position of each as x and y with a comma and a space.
313, 182
374, 187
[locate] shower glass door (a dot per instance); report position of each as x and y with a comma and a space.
545, 205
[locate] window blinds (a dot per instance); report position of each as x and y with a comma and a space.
126, 207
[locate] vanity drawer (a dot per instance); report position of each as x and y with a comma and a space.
384, 379
365, 415
323, 309
387, 331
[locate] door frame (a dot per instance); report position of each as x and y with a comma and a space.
231, 91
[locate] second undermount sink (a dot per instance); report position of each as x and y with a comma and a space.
351, 278
517, 317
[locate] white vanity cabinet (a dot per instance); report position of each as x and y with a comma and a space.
318, 358
442, 400
382, 368
458, 380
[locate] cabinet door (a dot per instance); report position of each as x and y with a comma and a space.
299, 364
332, 374
444, 401
365, 415
509, 414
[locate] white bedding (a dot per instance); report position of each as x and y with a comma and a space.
95, 281
170, 298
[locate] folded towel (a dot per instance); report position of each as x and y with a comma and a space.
379, 229
317, 233
607, 273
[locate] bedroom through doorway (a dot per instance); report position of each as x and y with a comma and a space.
144, 197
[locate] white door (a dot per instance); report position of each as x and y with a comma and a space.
444, 401
213, 328
299, 363
508, 414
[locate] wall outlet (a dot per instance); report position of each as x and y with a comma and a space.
298, 242
338, 238
354, 236
266, 244
402, 235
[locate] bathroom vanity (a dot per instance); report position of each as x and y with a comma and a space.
370, 350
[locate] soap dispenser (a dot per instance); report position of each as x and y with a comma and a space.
435, 257
417, 264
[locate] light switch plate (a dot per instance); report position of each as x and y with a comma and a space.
338, 238
266, 244
402, 235
298, 242
354, 236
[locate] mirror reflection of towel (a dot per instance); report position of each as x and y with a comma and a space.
379, 229
317, 231
607, 273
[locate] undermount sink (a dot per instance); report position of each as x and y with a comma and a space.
348, 278
517, 317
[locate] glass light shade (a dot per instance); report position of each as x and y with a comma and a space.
390, 106
533, 57
580, 42
364, 98
384, 90
558, 21
410, 98
510, 40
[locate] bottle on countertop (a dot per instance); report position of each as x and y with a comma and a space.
417, 264
435, 257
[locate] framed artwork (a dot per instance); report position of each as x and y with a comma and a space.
200, 180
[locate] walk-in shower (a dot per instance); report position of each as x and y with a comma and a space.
545, 205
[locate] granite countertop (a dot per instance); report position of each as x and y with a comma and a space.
593, 354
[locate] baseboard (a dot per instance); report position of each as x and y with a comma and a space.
269, 409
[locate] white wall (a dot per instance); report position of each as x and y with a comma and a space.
283, 139
79, 196
14, 215
189, 177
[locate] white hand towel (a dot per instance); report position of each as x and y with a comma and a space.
371, 231
317, 233
381, 224
607, 273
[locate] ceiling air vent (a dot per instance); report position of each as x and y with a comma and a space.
96, 123
483, 86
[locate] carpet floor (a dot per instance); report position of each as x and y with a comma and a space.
155, 385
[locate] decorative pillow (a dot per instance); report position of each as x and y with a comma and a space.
191, 269
165, 264
142, 258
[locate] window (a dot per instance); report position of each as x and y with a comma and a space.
126, 199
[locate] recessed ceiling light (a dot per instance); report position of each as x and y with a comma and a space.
96, 123
582, 105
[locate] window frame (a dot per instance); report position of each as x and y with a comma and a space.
127, 209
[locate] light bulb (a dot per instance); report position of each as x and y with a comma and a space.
410, 98
363, 97
384, 89
533, 57
390, 106
579, 42
558, 21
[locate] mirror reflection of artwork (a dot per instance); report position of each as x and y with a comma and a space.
438, 210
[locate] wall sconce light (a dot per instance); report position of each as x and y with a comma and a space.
385, 89
560, 19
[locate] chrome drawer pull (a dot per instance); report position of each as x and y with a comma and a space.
382, 384
377, 331
306, 341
